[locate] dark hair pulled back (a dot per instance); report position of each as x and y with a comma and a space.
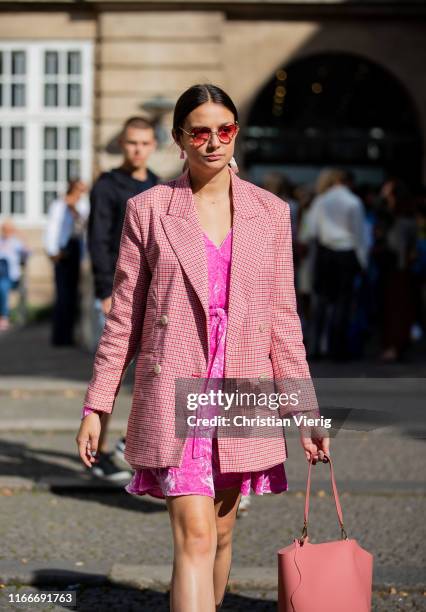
197, 95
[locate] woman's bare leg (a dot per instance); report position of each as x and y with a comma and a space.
226, 506
194, 537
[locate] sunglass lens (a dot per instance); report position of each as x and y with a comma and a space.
226, 133
200, 135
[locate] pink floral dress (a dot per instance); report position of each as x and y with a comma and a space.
199, 473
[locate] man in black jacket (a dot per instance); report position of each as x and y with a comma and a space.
108, 201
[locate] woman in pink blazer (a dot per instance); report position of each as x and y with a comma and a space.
203, 259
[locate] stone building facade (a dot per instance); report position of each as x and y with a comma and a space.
71, 73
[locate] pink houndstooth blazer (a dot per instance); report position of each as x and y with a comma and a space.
160, 306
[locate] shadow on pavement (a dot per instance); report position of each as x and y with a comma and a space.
18, 460
102, 594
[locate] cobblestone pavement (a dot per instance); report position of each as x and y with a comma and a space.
88, 527
49, 511
132, 600
383, 521
382, 455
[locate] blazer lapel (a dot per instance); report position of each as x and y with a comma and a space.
248, 244
184, 233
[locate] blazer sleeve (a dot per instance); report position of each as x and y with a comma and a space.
288, 355
123, 326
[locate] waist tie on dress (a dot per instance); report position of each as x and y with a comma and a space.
218, 326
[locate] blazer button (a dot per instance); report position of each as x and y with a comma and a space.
263, 377
157, 368
262, 327
164, 319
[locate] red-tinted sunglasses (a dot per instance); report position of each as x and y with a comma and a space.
201, 135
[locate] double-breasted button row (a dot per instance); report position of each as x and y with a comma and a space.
164, 319
262, 327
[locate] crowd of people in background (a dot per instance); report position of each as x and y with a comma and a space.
360, 264
359, 253
359, 260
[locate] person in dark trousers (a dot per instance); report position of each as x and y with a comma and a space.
64, 239
394, 253
337, 223
108, 200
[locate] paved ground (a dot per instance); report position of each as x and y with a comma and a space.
148, 600
56, 524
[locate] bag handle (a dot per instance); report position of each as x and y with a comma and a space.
336, 500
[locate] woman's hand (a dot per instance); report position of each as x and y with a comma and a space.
88, 437
315, 445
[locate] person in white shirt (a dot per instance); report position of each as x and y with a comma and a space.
337, 223
63, 242
306, 245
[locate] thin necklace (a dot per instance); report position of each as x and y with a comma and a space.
210, 201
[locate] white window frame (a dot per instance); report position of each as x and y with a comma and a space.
34, 116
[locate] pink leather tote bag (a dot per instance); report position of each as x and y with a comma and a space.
328, 577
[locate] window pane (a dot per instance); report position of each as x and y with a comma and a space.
48, 197
1, 138
17, 202
51, 62
1, 94
51, 94
74, 94
50, 138
74, 62
50, 172
1, 171
73, 169
17, 169
1, 203
1, 62
17, 138
73, 139
18, 62
18, 94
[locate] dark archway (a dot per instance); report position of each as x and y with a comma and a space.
334, 109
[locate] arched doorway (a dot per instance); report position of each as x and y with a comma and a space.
333, 109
